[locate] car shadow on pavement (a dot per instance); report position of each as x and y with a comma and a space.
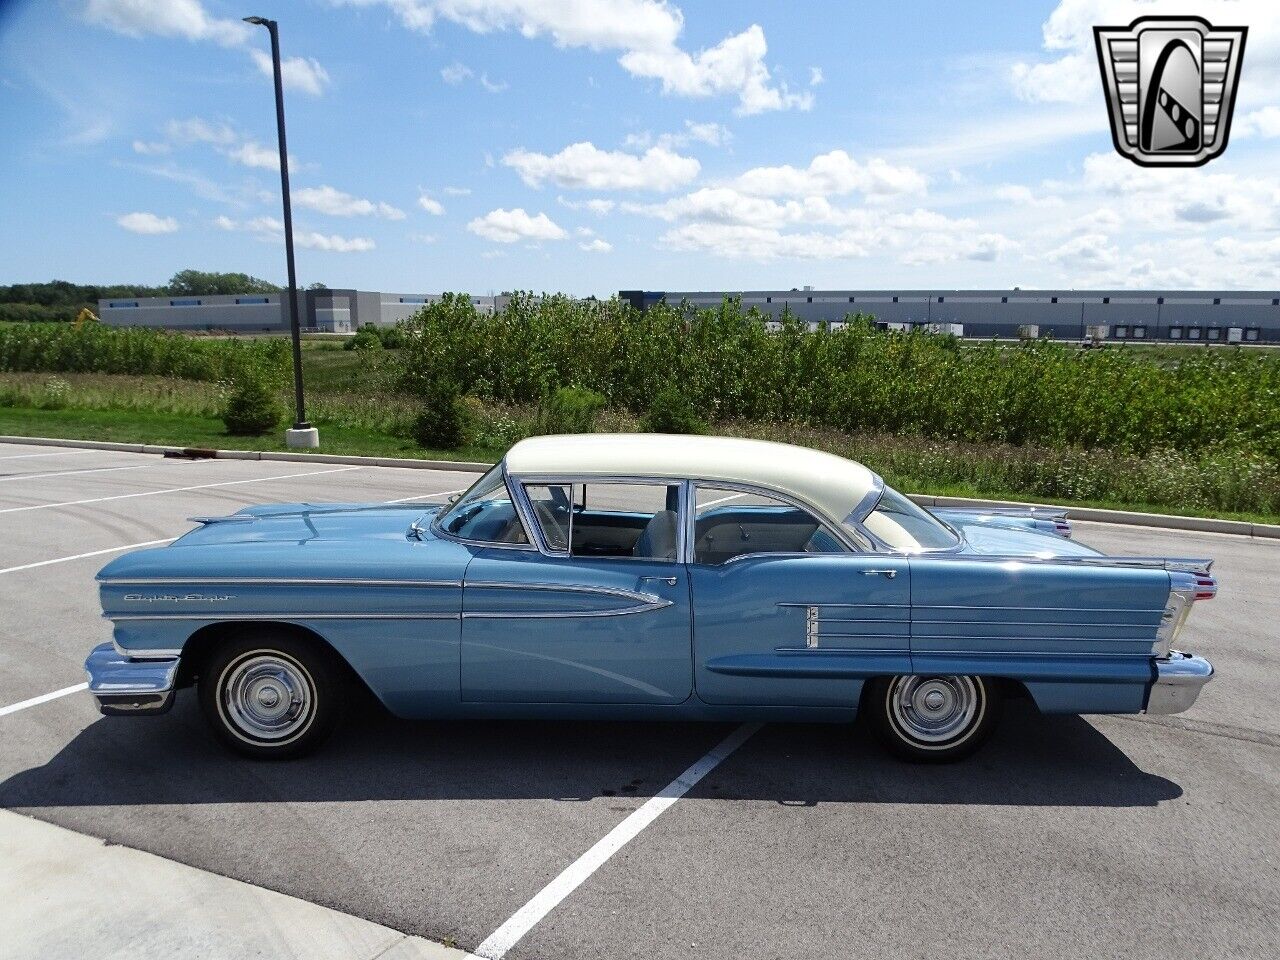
1032, 760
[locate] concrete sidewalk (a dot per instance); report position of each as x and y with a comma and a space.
66, 895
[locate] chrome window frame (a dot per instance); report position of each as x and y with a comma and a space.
443, 534
871, 501
572, 481
841, 535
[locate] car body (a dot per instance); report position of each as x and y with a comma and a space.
647, 576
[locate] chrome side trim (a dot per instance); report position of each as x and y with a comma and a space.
1063, 654
215, 617
823, 603
811, 627
274, 581
823, 651
562, 614
632, 595
150, 653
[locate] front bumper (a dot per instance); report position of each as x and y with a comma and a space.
1179, 679
124, 686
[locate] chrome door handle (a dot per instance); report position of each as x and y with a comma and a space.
883, 573
669, 581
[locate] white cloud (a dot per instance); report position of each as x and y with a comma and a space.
644, 32
493, 86
1022, 195
196, 130
150, 148
509, 226
816, 78
271, 230
187, 19
455, 73
335, 203
596, 246
253, 154
597, 206
711, 133
832, 174
166, 18
432, 206
296, 73
584, 166
456, 191
142, 222
1264, 122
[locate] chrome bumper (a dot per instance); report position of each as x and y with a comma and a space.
1178, 682
124, 686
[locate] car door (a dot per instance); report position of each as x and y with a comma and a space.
785, 612
599, 614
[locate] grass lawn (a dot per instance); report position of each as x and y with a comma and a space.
187, 430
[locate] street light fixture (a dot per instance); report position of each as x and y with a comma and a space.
303, 434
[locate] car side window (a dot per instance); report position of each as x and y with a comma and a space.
609, 519
730, 523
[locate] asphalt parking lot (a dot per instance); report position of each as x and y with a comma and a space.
1065, 837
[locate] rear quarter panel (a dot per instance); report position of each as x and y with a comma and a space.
1078, 636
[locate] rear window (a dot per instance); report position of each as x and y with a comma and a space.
904, 526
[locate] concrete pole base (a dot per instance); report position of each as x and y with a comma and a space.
307, 439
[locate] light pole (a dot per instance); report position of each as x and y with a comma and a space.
303, 434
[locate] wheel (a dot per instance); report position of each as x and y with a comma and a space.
932, 719
269, 695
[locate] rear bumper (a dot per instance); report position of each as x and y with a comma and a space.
124, 686
1178, 682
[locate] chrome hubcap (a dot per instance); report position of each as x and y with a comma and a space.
934, 709
268, 697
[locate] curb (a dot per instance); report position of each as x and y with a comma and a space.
1165, 521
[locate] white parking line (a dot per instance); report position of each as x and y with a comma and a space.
43, 698
199, 486
548, 898
423, 496
91, 553
60, 453
68, 473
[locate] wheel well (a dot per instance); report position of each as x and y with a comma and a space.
201, 645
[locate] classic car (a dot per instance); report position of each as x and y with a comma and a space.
646, 576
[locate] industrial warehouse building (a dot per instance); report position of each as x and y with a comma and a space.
1195, 316
326, 311
1164, 315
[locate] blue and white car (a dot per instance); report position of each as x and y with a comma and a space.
645, 577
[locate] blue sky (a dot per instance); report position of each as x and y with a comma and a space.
597, 145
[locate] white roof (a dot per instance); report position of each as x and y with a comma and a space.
834, 485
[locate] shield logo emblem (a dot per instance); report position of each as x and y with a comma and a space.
1170, 84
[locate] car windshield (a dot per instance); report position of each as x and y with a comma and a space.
485, 512
902, 525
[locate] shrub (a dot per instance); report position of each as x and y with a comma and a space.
251, 407
671, 412
444, 420
568, 410
366, 338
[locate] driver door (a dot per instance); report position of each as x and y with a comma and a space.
599, 614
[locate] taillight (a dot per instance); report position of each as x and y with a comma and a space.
1206, 588
1062, 528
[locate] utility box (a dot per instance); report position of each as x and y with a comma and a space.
1029, 331
1235, 334
1096, 331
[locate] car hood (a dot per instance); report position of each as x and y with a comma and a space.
989, 540
297, 540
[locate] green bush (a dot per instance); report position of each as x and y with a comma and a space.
671, 412
251, 407
568, 410
444, 421
98, 348
366, 338
731, 366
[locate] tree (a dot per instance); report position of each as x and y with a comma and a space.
197, 283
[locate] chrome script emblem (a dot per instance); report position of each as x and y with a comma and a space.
175, 598
1171, 86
